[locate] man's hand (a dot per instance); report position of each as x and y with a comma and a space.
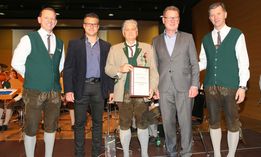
69, 97
193, 91
111, 98
156, 95
150, 94
240, 95
125, 68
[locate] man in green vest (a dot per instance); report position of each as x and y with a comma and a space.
225, 58
120, 62
39, 58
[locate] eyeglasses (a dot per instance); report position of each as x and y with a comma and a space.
171, 18
91, 24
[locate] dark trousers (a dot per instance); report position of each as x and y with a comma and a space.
92, 98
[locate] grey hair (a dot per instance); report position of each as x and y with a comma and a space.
130, 21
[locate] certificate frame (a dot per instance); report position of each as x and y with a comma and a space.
140, 82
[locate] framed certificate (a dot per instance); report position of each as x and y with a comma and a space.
140, 82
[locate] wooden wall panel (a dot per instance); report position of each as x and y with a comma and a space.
245, 16
5, 46
115, 36
71, 29
68, 34
147, 31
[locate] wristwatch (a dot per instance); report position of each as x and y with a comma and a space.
243, 87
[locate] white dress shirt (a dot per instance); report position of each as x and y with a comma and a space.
133, 48
23, 49
241, 54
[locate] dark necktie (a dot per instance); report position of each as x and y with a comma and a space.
131, 49
49, 45
218, 40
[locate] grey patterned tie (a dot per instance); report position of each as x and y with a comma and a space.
49, 45
218, 40
131, 49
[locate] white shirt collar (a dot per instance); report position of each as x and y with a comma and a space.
166, 35
224, 29
131, 44
44, 33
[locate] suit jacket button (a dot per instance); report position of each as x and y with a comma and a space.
170, 71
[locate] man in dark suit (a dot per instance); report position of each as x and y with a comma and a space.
86, 84
178, 68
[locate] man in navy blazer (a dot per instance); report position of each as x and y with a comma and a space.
86, 84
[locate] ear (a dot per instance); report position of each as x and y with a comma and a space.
225, 15
163, 20
55, 22
39, 20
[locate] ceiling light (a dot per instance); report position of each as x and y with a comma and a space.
111, 14
57, 14
1, 13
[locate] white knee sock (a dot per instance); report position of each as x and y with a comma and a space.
29, 145
216, 135
72, 116
125, 137
143, 136
8, 116
153, 130
232, 140
49, 139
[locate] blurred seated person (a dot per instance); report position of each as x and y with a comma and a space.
5, 80
4, 84
11, 82
70, 106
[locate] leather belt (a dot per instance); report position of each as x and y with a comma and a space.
92, 80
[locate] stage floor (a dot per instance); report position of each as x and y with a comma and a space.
11, 144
